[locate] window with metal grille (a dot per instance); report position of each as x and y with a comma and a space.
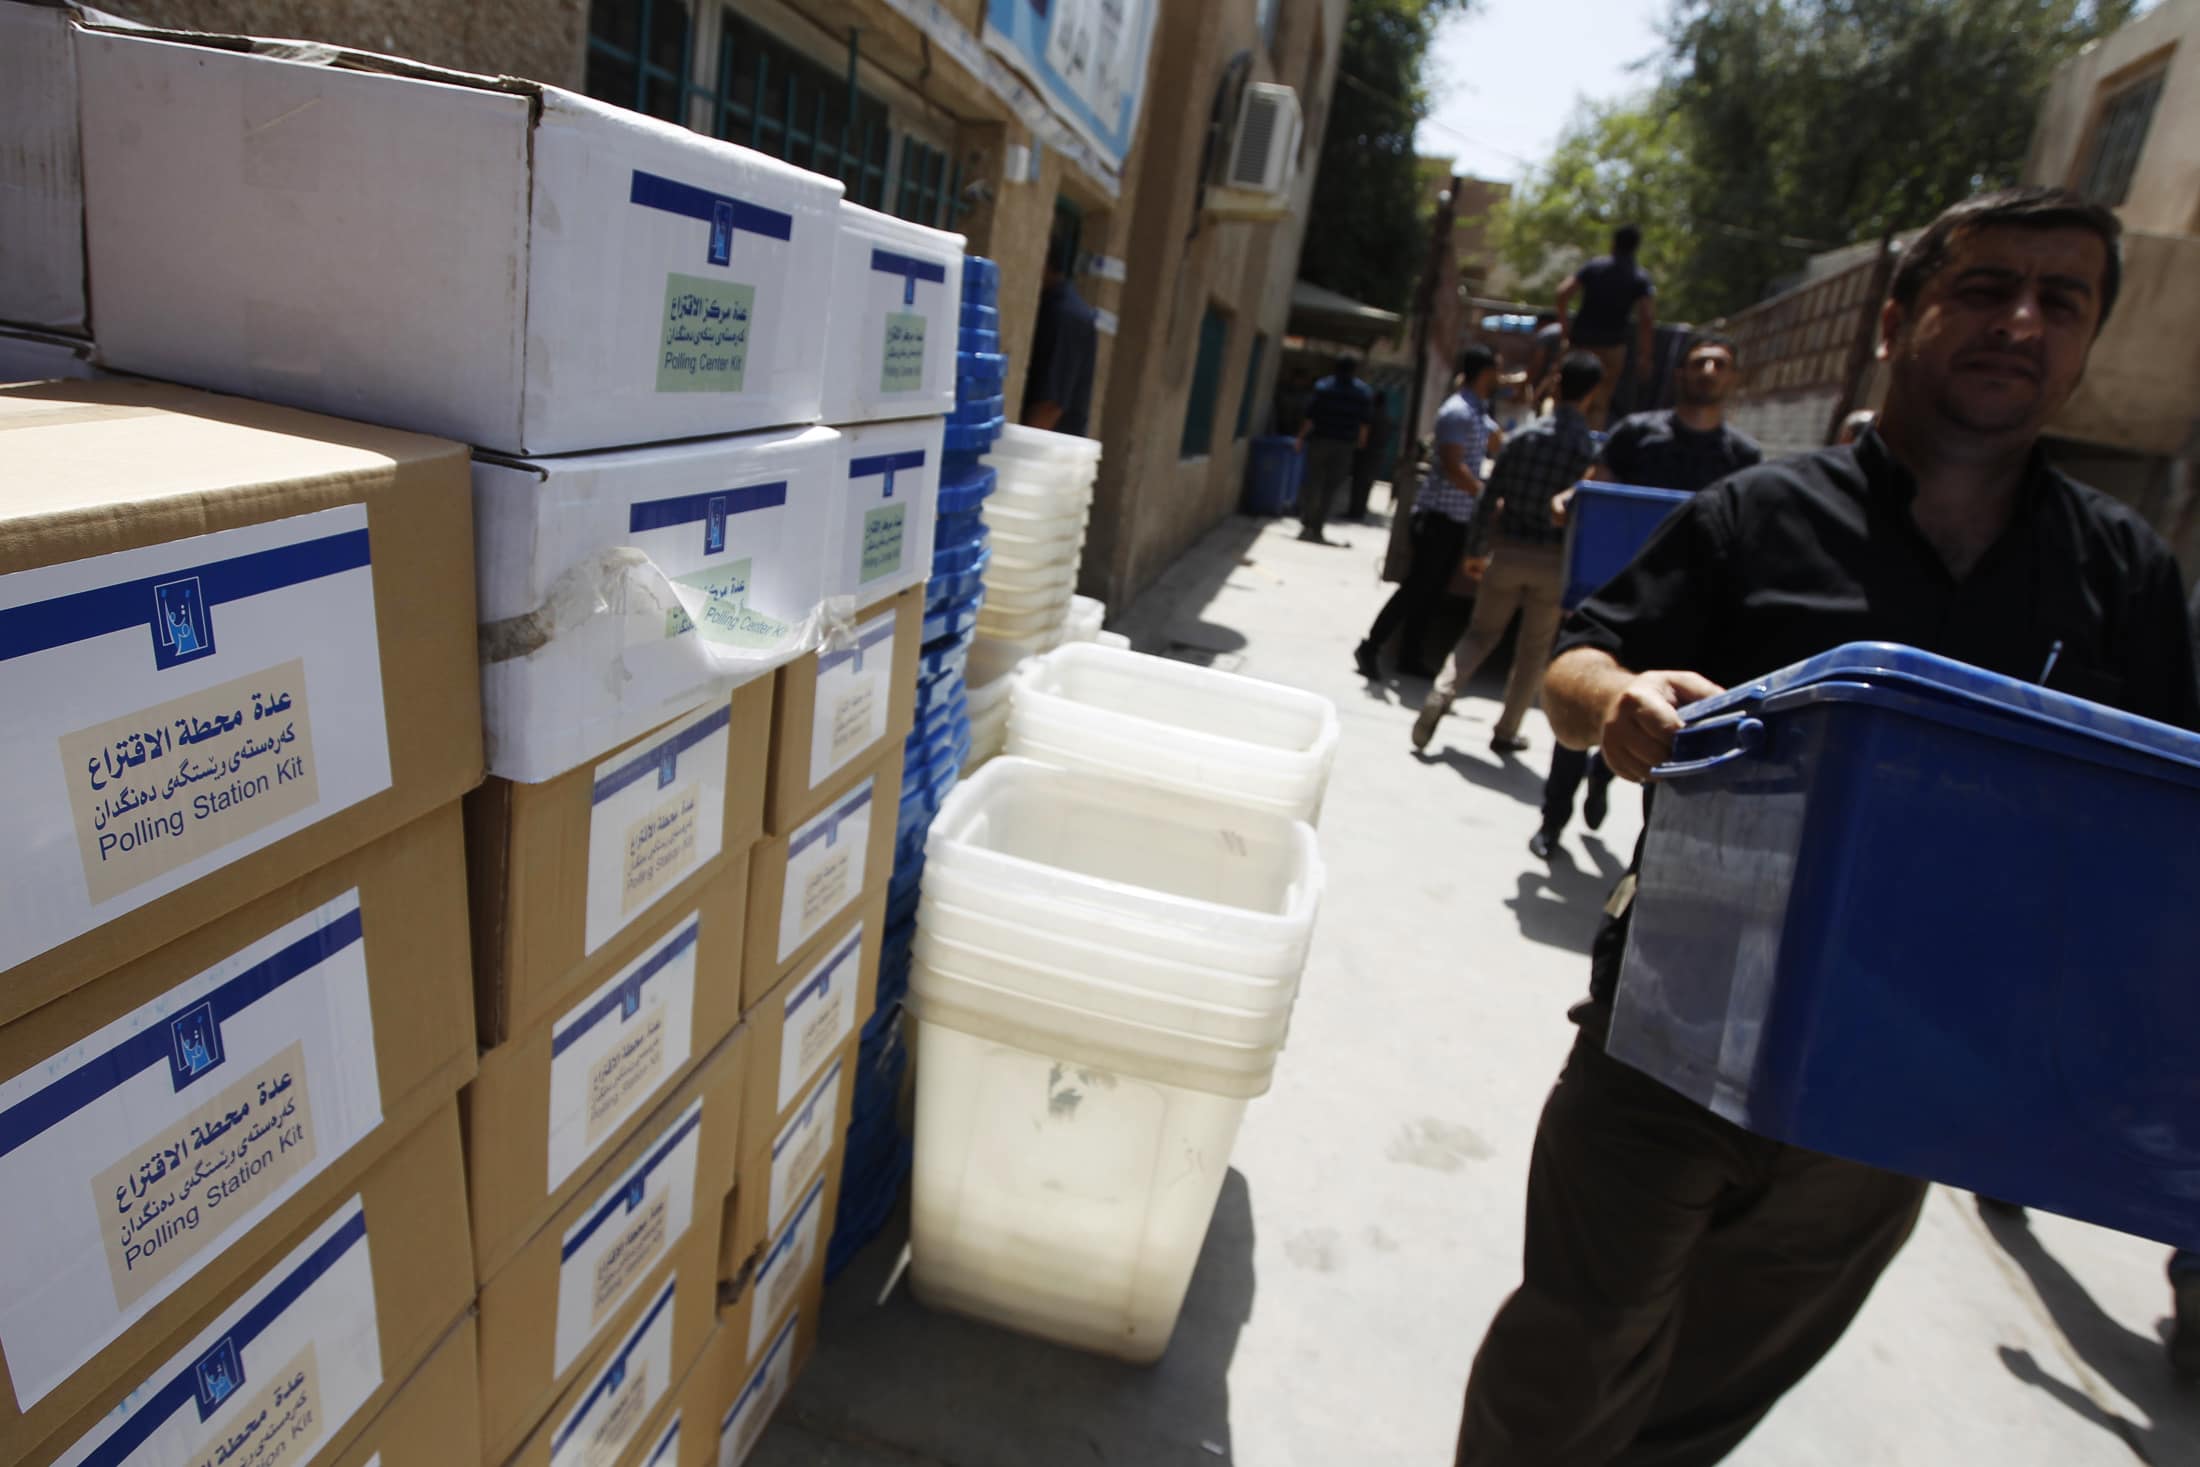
1199, 405
1252, 384
638, 55
776, 100
2118, 139
926, 195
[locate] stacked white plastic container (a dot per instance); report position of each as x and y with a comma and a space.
1041, 500
1178, 727
1103, 976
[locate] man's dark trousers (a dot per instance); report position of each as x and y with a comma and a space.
1568, 766
1680, 1275
1328, 469
1438, 543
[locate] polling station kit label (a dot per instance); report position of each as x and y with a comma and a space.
657, 815
167, 710
138, 1154
825, 861
271, 1381
614, 1050
609, 1415
819, 1014
803, 1144
632, 1225
854, 697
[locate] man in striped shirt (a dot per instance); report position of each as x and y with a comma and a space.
1525, 569
1440, 518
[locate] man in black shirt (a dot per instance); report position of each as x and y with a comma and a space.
1682, 1273
1689, 448
1617, 304
1065, 344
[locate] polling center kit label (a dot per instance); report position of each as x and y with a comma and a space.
745, 1420
854, 694
631, 1227
905, 291
614, 1050
825, 859
610, 1413
707, 544
710, 324
138, 1154
820, 1014
803, 1145
887, 484
657, 815
272, 1381
167, 710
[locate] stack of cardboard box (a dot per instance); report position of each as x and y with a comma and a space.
656, 922
238, 704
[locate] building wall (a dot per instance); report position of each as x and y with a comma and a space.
1151, 503
2165, 189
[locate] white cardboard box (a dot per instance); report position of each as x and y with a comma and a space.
896, 319
503, 263
41, 181
889, 493
618, 590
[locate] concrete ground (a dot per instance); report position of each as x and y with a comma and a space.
1371, 1220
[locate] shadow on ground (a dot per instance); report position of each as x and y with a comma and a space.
2134, 1364
1167, 619
1560, 903
897, 1383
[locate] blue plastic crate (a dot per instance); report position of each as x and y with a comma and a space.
982, 411
1274, 469
968, 493
981, 364
970, 342
901, 906
960, 585
944, 689
1606, 524
1904, 911
971, 390
969, 548
943, 657
980, 318
973, 437
951, 622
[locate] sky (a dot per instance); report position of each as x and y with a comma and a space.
1508, 76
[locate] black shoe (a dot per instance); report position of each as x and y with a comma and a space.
1542, 843
1597, 803
2184, 1337
1507, 744
1363, 658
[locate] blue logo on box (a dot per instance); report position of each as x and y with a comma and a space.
218, 1375
182, 629
714, 526
616, 1376
668, 765
630, 1003
721, 232
889, 483
635, 1191
194, 1044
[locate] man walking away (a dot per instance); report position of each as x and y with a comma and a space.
1681, 1273
1525, 570
1337, 417
1616, 295
1689, 447
1441, 514
1065, 344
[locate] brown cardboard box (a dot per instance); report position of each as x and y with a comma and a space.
435, 1418
557, 875
756, 1304
604, 1414
777, 1170
839, 709
762, 1385
344, 994
594, 1267
198, 560
801, 884
341, 1311
552, 1103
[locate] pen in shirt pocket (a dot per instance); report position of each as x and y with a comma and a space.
2054, 655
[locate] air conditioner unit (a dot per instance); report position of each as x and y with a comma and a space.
1262, 159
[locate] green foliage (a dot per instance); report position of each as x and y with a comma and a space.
1781, 126
1367, 239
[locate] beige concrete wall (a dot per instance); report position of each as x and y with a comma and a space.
2165, 190
1151, 503
541, 40
2141, 391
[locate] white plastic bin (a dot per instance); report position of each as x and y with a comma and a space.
1177, 726
895, 317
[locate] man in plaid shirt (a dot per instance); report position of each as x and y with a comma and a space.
1524, 560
